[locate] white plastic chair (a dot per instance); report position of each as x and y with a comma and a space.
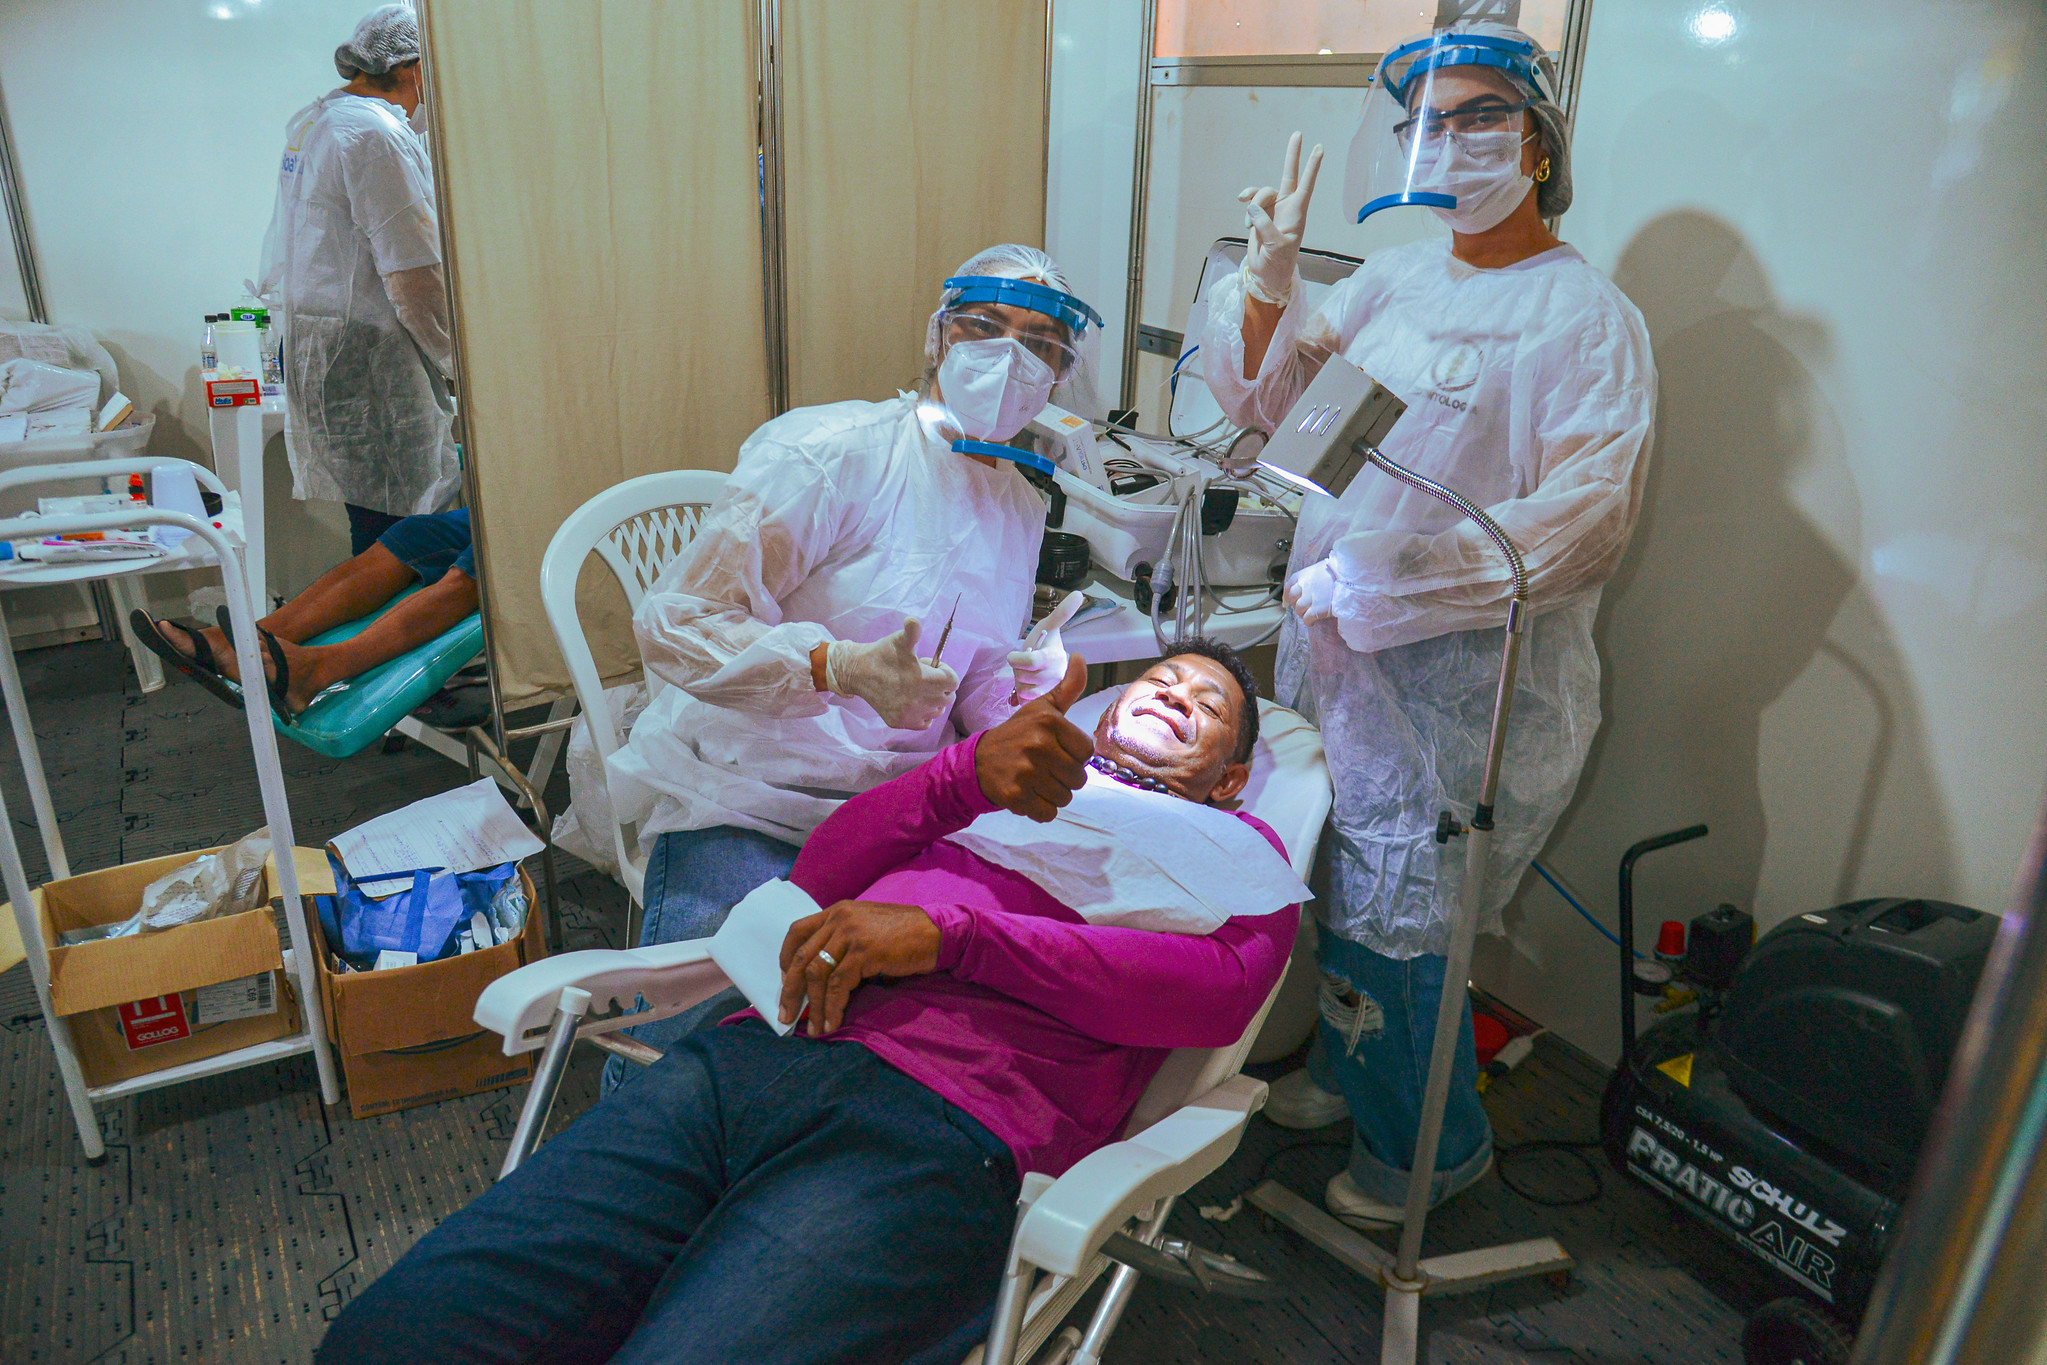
1186, 1124
637, 528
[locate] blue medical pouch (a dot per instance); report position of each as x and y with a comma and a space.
425, 919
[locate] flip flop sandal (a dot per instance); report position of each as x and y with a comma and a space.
280, 686
199, 665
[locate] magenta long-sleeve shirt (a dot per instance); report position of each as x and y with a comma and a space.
1042, 1026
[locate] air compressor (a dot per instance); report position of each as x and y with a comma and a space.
1787, 1110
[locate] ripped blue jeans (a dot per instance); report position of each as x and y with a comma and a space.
1372, 1047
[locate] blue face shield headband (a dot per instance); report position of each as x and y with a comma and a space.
1029, 459
1039, 298
1518, 60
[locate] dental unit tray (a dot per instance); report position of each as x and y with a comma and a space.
1123, 531
1133, 528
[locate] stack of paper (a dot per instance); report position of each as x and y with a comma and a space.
463, 830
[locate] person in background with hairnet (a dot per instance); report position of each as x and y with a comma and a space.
798, 635
1531, 390
353, 257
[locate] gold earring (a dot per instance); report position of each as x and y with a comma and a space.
1542, 171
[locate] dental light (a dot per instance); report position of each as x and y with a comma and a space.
1329, 436
1333, 431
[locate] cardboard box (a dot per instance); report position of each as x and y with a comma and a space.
153, 1001
408, 1035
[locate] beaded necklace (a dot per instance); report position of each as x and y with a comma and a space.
1109, 767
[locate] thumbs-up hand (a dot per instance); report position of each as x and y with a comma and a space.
1033, 763
905, 691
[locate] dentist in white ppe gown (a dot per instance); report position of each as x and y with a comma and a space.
796, 633
1531, 390
353, 256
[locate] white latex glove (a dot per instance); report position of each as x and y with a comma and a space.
1311, 594
1275, 220
906, 692
1041, 663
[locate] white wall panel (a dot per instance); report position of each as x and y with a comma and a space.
148, 133
1829, 640
1096, 47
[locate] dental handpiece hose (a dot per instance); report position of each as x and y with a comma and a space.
1398, 1345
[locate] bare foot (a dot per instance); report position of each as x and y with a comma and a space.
307, 673
180, 638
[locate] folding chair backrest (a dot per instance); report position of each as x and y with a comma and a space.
637, 528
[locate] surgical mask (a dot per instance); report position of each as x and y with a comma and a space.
993, 388
1483, 171
417, 118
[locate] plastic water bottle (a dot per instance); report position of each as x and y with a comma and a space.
209, 351
273, 357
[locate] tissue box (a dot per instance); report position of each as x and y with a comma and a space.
407, 1035
153, 1001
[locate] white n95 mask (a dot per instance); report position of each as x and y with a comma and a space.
993, 387
1483, 171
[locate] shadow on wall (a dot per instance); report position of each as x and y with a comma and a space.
1749, 683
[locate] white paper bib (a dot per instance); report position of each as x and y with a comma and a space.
1141, 860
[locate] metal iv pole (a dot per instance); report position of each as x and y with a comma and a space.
1405, 1274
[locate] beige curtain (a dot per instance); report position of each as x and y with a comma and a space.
598, 165
914, 135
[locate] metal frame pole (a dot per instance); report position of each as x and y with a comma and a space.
17, 223
1962, 1283
773, 204
1405, 1282
547, 1077
1140, 205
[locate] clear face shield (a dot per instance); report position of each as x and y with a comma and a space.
1003, 345
1443, 127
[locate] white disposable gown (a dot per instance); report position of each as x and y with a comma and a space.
839, 522
368, 417
1531, 390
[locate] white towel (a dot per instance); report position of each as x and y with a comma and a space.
1142, 860
748, 946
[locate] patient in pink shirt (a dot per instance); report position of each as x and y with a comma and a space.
765, 1198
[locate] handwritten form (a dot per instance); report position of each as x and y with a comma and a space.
462, 830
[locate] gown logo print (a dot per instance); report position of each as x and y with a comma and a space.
1455, 370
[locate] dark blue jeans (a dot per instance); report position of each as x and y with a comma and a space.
749, 1199
694, 878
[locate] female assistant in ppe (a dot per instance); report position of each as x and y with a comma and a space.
797, 633
354, 257
1530, 389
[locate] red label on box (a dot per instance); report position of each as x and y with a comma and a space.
233, 393
158, 1019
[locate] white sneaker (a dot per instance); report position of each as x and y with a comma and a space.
1353, 1206
1294, 1101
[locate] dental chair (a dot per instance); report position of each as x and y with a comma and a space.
1186, 1124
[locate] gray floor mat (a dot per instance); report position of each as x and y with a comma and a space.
236, 1215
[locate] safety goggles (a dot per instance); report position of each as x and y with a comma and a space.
1487, 114
1047, 322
